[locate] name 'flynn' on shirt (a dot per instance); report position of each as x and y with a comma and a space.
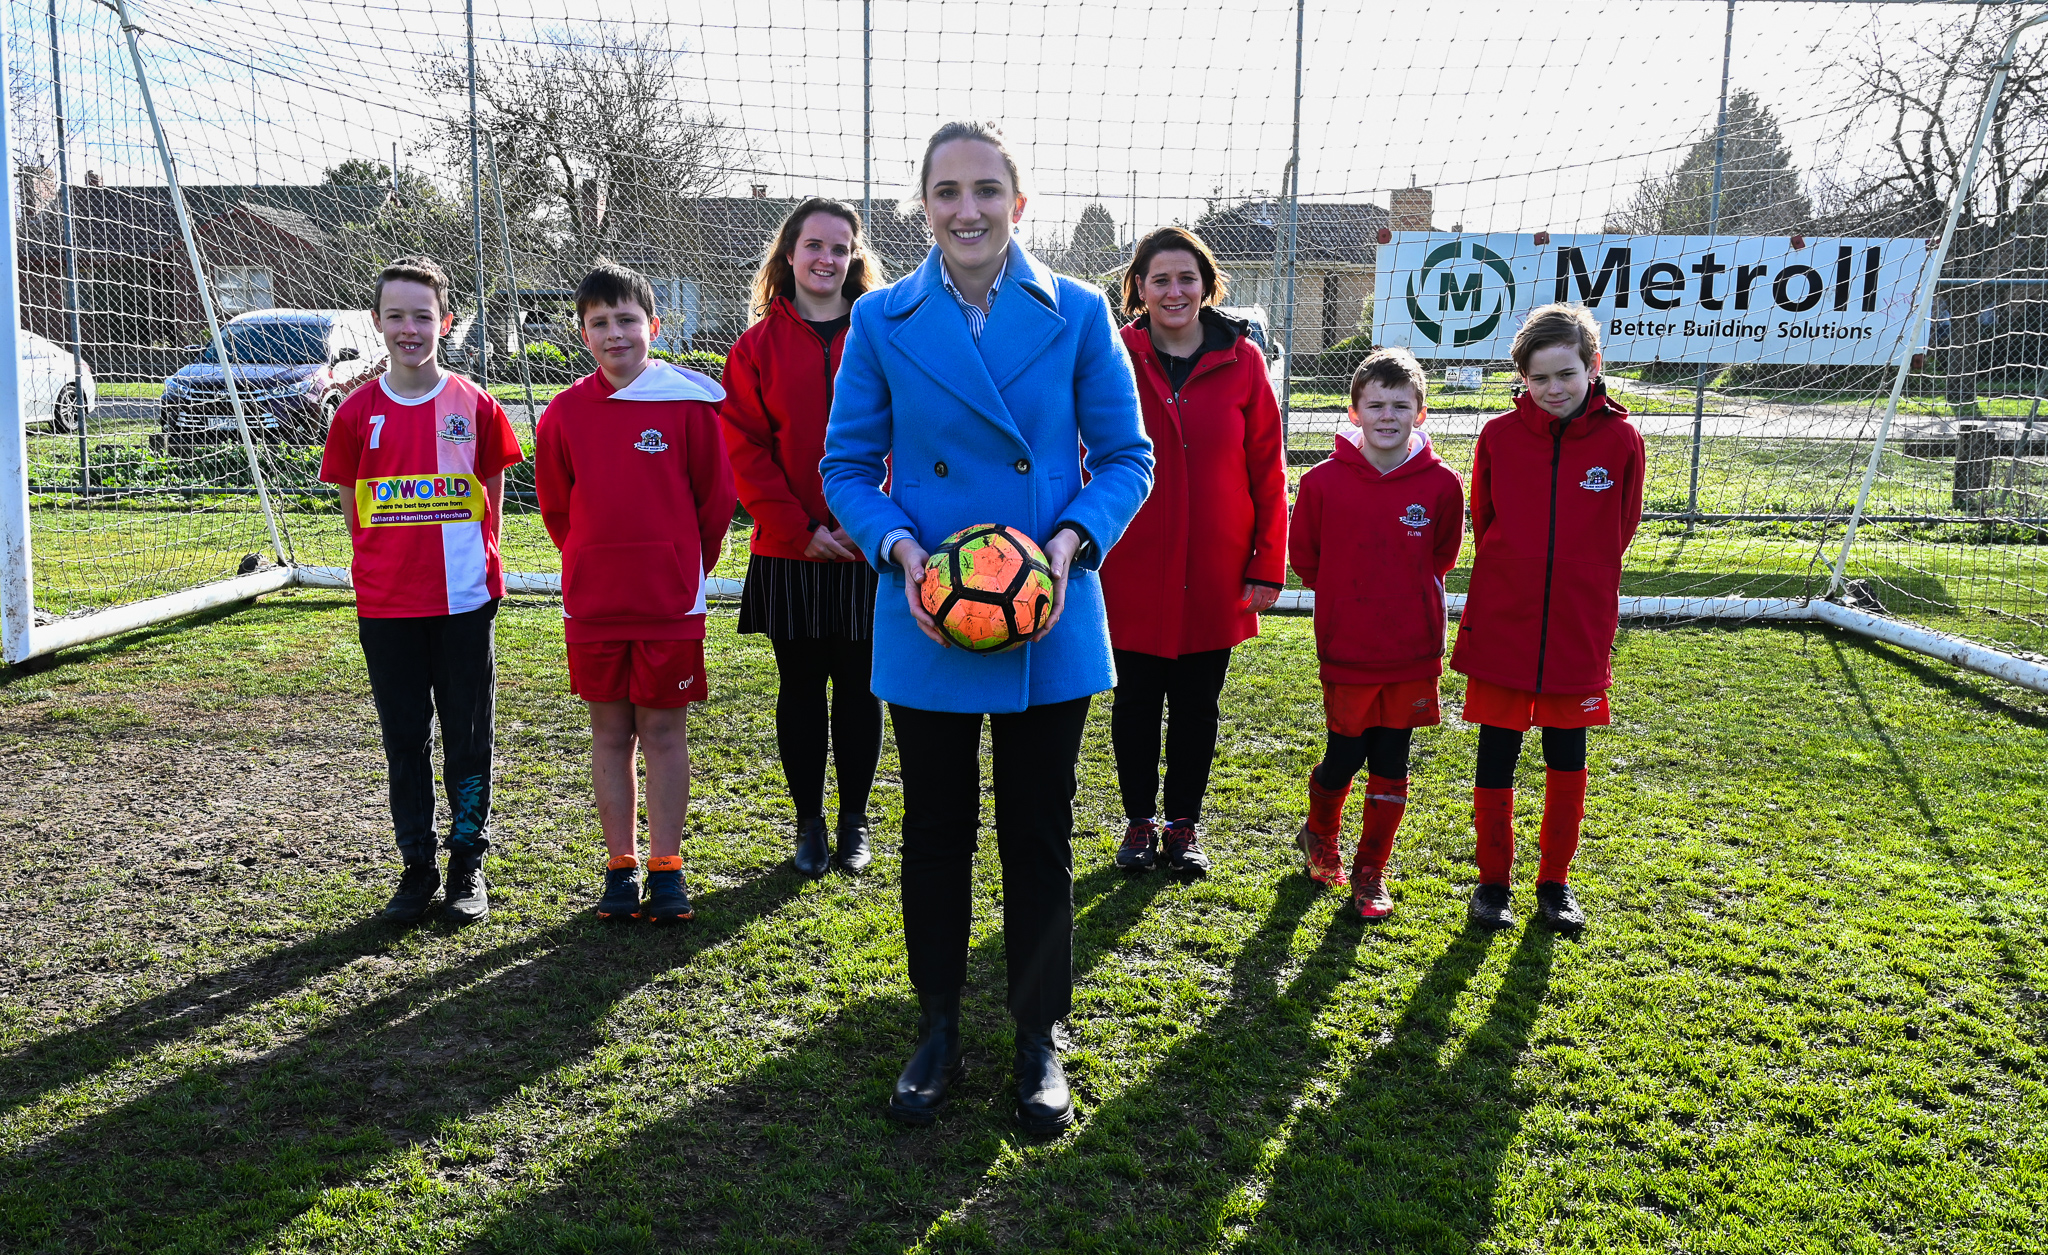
1673, 298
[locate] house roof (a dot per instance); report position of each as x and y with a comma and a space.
136, 220
730, 232
1339, 234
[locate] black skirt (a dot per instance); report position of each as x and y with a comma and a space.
793, 599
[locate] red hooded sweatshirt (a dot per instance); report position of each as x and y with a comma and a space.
1555, 502
778, 392
1375, 548
636, 492
1217, 516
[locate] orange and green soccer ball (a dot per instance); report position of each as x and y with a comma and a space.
989, 588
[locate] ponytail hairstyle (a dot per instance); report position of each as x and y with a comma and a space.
985, 132
777, 277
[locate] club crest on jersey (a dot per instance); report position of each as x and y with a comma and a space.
1596, 480
1415, 516
651, 442
455, 428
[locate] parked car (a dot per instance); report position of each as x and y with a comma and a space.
292, 368
1260, 331
49, 384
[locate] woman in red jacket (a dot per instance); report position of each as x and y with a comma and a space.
808, 589
1207, 552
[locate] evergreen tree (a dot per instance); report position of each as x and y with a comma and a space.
1761, 192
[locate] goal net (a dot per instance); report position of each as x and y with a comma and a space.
1746, 196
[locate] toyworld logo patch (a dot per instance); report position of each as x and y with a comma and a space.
1596, 480
1415, 516
1448, 265
651, 442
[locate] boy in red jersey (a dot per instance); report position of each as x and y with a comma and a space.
636, 492
420, 457
1375, 529
1557, 492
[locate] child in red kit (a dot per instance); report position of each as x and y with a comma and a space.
1557, 491
1376, 527
420, 458
636, 492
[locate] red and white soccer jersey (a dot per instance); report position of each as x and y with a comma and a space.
426, 539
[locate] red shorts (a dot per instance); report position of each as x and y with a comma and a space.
660, 675
1520, 710
1349, 709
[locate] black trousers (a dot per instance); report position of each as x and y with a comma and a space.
803, 733
1564, 749
1035, 753
445, 666
1188, 687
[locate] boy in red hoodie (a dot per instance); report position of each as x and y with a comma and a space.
1375, 529
1557, 491
636, 492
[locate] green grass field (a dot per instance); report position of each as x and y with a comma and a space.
1809, 1014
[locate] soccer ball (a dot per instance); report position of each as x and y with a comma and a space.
989, 588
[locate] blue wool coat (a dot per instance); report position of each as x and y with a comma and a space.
988, 432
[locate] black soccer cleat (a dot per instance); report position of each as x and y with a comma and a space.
621, 898
415, 894
467, 900
1490, 908
1181, 851
1140, 850
1558, 907
667, 901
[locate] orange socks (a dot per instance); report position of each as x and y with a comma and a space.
1564, 809
1386, 801
665, 863
1493, 822
623, 860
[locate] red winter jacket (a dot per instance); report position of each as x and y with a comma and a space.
1555, 502
778, 392
637, 495
1375, 548
1217, 516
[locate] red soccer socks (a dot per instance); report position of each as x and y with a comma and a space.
1564, 809
1493, 823
1318, 836
1386, 801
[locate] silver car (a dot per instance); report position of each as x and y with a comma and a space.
50, 384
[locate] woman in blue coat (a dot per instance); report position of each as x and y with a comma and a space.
970, 388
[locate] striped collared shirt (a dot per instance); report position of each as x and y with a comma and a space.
977, 317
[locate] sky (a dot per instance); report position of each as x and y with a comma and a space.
1520, 116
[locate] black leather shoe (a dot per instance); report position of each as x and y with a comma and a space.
467, 901
1490, 909
853, 854
415, 895
1558, 907
936, 1063
813, 854
1044, 1104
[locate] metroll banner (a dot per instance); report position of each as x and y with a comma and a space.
1671, 298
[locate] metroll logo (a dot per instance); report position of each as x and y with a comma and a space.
1461, 294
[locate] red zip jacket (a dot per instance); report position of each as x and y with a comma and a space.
637, 495
1375, 548
778, 392
1217, 516
1555, 503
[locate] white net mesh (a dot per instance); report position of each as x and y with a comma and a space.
316, 140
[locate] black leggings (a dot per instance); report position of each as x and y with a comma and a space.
855, 728
1385, 748
1564, 749
1186, 689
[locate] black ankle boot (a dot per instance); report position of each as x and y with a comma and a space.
813, 853
1044, 1104
415, 896
935, 1065
853, 854
467, 901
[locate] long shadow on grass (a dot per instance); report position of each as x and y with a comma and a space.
228, 1151
799, 1154
1159, 1164
1948, 681
1408, 1158
59, 1059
